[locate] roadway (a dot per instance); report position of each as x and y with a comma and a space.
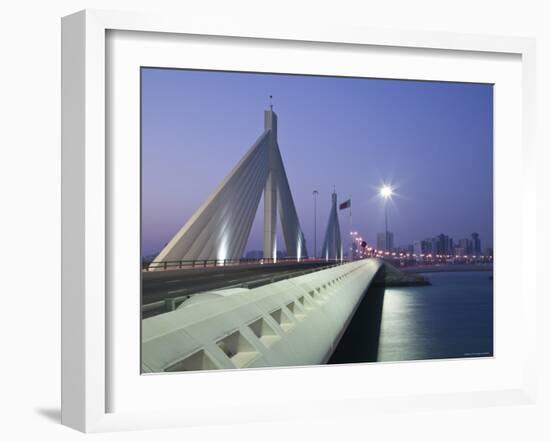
169, 284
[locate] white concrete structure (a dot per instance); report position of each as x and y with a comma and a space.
219, 229
297, 321
332, 244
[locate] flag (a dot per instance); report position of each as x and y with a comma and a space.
345, 205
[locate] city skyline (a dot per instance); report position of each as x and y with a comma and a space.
438, 152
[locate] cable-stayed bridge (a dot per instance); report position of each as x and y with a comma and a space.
220, 228
217, 233
255, 306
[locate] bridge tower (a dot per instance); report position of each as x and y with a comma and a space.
220, 228
270, 190
332, 244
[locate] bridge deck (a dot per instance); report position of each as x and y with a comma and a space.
160, 286
296, 321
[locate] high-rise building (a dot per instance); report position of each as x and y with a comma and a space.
433, 242
443, 244
417, 248
466, 245
476, 244
381, 241
428, 246
460, 251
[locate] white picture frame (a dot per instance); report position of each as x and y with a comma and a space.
86, 317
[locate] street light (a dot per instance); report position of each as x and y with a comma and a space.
315, 193
386, 193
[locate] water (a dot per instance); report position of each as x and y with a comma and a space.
452, 318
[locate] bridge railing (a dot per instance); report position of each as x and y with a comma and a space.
198, 263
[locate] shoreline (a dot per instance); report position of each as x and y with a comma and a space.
391, 276
435, 268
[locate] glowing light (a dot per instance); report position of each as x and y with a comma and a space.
386, 192
222, 249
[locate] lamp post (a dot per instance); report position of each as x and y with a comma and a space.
315, 193
386, 192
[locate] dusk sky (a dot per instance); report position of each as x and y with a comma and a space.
432, 141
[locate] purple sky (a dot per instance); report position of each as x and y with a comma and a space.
432, 141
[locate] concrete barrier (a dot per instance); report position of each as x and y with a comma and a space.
297, 321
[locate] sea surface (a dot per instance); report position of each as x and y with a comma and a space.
452, 318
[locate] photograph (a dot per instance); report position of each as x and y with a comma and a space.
292, 220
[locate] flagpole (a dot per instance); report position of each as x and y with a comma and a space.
315, 193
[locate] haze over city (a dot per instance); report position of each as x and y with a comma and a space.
431, 141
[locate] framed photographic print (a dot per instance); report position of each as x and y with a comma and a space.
291, 222
220, 292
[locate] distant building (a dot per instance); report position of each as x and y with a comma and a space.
476, 244
404, 249
466, 245
443, 245
459, 251
427, 246
381, 242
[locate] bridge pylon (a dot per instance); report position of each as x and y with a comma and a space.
332, 244
220, 228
